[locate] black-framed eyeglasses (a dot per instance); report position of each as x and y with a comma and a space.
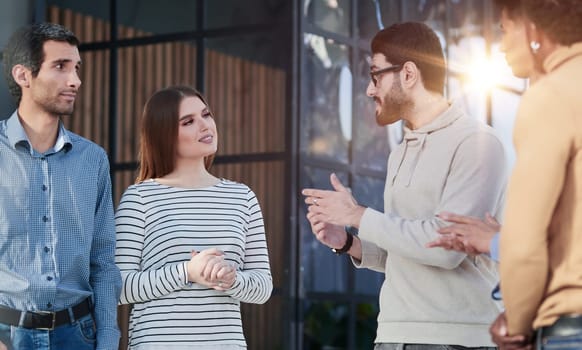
374, 75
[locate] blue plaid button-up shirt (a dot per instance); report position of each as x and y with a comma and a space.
57, 231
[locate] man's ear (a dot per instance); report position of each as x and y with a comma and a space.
410, 74
21, 75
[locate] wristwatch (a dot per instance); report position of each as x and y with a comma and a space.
347, 245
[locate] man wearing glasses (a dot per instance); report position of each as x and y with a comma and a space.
447, 161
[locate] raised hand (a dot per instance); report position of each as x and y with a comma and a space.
336, 207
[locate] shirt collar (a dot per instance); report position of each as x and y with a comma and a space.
17, 135
561, 55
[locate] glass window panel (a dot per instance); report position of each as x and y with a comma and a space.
331, 15
504, 105
470, 98
142, 71
89, 20
325, 325
368, 282
466, 18
467, 48
245, 83
326, 65
366, 324
138, 18
321, 269
229, 13
432, 12
369, 193
374, 15
370, 146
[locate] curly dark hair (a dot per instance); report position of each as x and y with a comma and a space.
25, 47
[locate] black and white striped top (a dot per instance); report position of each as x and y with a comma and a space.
157, 228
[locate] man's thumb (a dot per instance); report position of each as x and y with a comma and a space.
336, 184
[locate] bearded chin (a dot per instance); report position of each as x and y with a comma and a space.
387, 116
61, 110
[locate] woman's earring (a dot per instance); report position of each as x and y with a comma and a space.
535, 46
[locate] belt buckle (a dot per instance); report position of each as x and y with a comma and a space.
54, 319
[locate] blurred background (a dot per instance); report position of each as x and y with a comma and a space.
286, 80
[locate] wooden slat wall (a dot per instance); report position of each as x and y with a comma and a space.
248, 100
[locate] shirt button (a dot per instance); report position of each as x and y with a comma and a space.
49, 278
45, 218
44, 188
47, 249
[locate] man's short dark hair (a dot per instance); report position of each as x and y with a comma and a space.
25, 47
560, 20
415, 42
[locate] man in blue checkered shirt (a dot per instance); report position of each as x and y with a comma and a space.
59, 285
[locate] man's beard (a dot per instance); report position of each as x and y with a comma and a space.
395, 105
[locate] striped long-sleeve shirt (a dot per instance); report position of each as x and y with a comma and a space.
157, 228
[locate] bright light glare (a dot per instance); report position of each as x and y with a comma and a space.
484, 74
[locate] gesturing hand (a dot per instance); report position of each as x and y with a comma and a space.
336, 207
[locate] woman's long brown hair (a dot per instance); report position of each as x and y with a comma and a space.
159, 132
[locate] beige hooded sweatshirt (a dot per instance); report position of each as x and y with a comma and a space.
430, 295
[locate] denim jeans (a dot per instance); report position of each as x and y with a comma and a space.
393, 346
79, 335
560, 343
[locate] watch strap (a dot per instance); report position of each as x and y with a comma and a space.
347, 245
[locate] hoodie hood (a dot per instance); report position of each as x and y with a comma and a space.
442, 121
414, 141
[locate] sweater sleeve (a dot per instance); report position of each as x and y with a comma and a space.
253, 283
543, 138
474, 186
373, 257
138, 285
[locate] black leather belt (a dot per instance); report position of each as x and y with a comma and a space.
565, 326
46, 320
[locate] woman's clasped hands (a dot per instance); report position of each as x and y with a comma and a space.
209, 268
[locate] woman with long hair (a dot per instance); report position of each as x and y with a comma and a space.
190, 246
